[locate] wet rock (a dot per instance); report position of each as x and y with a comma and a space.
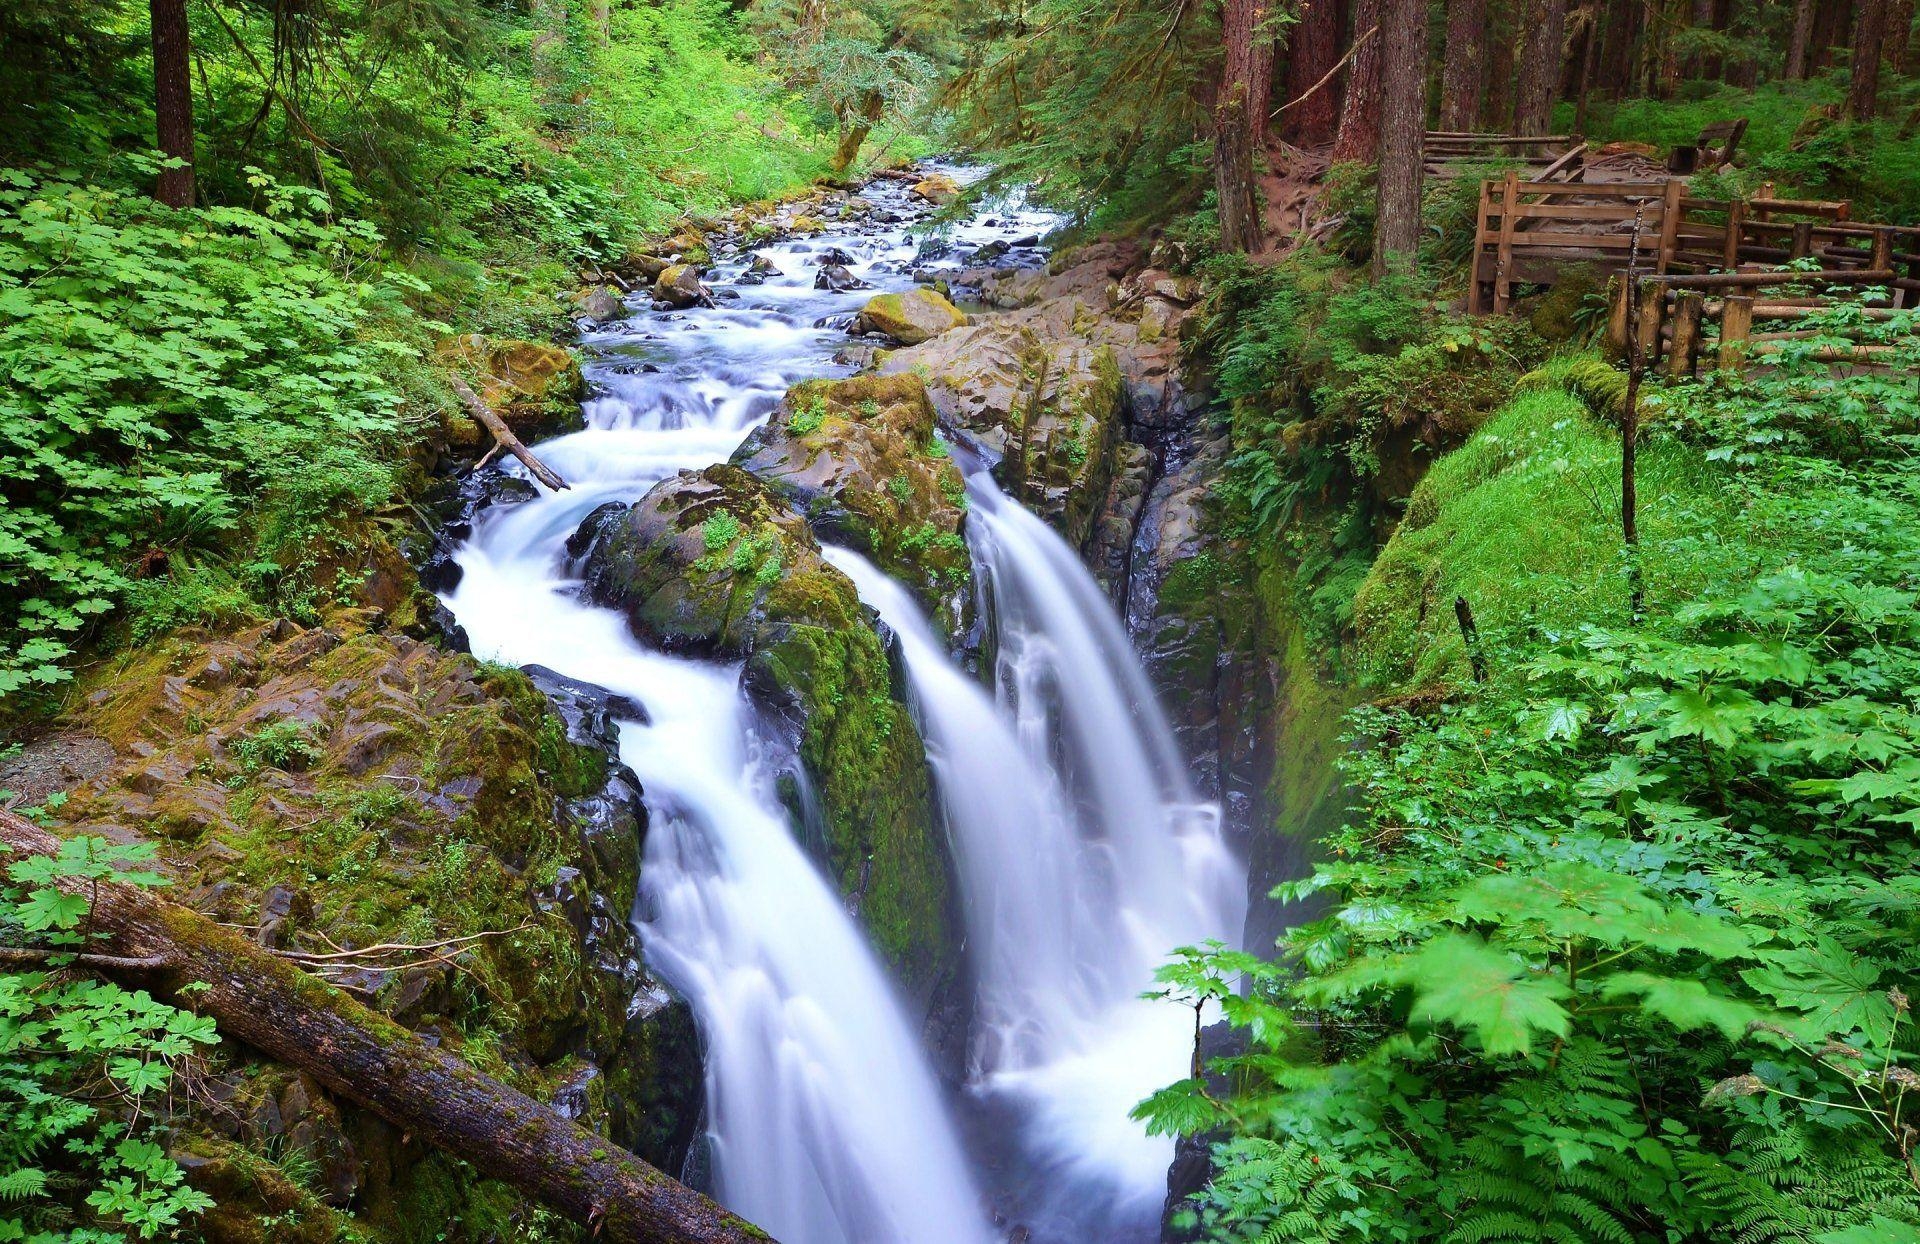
860, 459
680, 286
717, 563
838, 279
764, 267
534, 388
599, 303
832, 255
909, 318
648, 266
937, 189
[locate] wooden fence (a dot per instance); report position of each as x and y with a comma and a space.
1547, 157
1755, 313
1529, 231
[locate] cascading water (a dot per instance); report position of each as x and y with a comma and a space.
1084, 858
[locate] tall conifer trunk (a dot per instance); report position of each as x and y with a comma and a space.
1236, 127
173, 100
1543, 43
1312, 50
1403, 123
1358, 138
1616, 46
1463, 79
1899, 34
1869, 33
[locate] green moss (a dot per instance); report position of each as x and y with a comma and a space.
1523, 522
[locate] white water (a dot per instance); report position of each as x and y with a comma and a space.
1084, 858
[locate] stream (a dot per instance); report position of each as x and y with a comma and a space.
1082, 853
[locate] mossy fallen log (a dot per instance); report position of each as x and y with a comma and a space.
269, 1003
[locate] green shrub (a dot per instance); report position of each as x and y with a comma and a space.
180, 381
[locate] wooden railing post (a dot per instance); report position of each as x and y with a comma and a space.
1802, 244
1653, 308
1687, 306
1510, 199
1670, 214
1736, 225
1481, 298
1736, 325
1881, 259
1619, 297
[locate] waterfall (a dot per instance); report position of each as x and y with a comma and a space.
1084, 856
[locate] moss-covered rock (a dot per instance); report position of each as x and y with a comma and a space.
343, 786
862, 460
937, 188
1054, 409
535, 388
909, 318
679, 285
715, 562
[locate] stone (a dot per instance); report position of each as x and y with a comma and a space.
837, 278
534, 388
599, 303
680, 286
910, 318
937, 189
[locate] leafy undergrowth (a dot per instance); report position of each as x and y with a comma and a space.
1618, 944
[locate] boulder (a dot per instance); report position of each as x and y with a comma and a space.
679, 286
937, 189
910, 318
716, 562
838, 278
860, 459
1051, 407
599, 302
535, 388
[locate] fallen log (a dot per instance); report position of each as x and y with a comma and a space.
504, 437
267, 1002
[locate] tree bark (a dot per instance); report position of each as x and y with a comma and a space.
1235, 128
1800, 41
1358, 138
1544, 43
1869, 33
1589, 60
1832, 20
173, 100
503, 436
1899, 34
1403, 123
1463, 77
1616, 55
265, 1001
855, 137
1313, 50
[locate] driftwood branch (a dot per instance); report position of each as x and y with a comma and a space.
483, 414
260, 998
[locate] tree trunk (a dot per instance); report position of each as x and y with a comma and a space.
1545, 39
265, 1001
1616, 49
1899, 34
1312, 52
1235, 128
1800, 41
1463, 78
1832, 20
856, 133
1589, 60
1358, 138
603, 18
1869, 33
1403, 123
173, 100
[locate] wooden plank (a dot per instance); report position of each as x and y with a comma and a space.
1481, 302
1755, 280
1802, 243
1597, 189
1670, 214
1509, 196
1838, 209
1574, 211
1736, 325
1736, 226
1534, 238
1617, 316
1564, 162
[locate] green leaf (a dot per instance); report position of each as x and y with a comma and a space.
1685, 1003
1458, 978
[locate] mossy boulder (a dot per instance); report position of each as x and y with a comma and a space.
937, 189
909, 318
718, 564
535, 388
862, 460
343, 786
1052, 407
678, 285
